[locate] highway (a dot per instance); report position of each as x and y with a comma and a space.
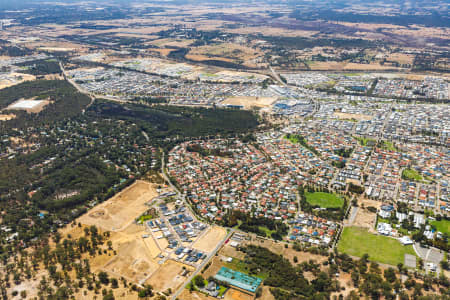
276, 76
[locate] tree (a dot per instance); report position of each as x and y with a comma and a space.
114, 283
109, 296
389, 274
400, 267
355, 278
103, 277
444, 264
146, 292
199, 281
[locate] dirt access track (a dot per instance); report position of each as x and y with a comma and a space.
121, 210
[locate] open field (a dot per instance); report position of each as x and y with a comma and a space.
442, 226
271, 31
224, 51
401, 58
209, 241
248, 102
324, 200
168, 276
15, 78
343, 66
177, 43
357, 241
121, 210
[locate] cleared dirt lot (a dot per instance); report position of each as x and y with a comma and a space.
249, 102
237, 295
168, 276
209, 241
365, 218
134, 260
121, 210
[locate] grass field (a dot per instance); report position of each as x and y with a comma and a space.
357, 241
324, 200
410, 174
442, 226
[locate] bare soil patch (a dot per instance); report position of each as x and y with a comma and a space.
365, 218
134, 259
168, 276
211, 239
121, 210
248, 102
233, 294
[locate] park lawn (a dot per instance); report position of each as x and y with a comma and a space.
442, 226
358, 241
410, 174
324, 200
